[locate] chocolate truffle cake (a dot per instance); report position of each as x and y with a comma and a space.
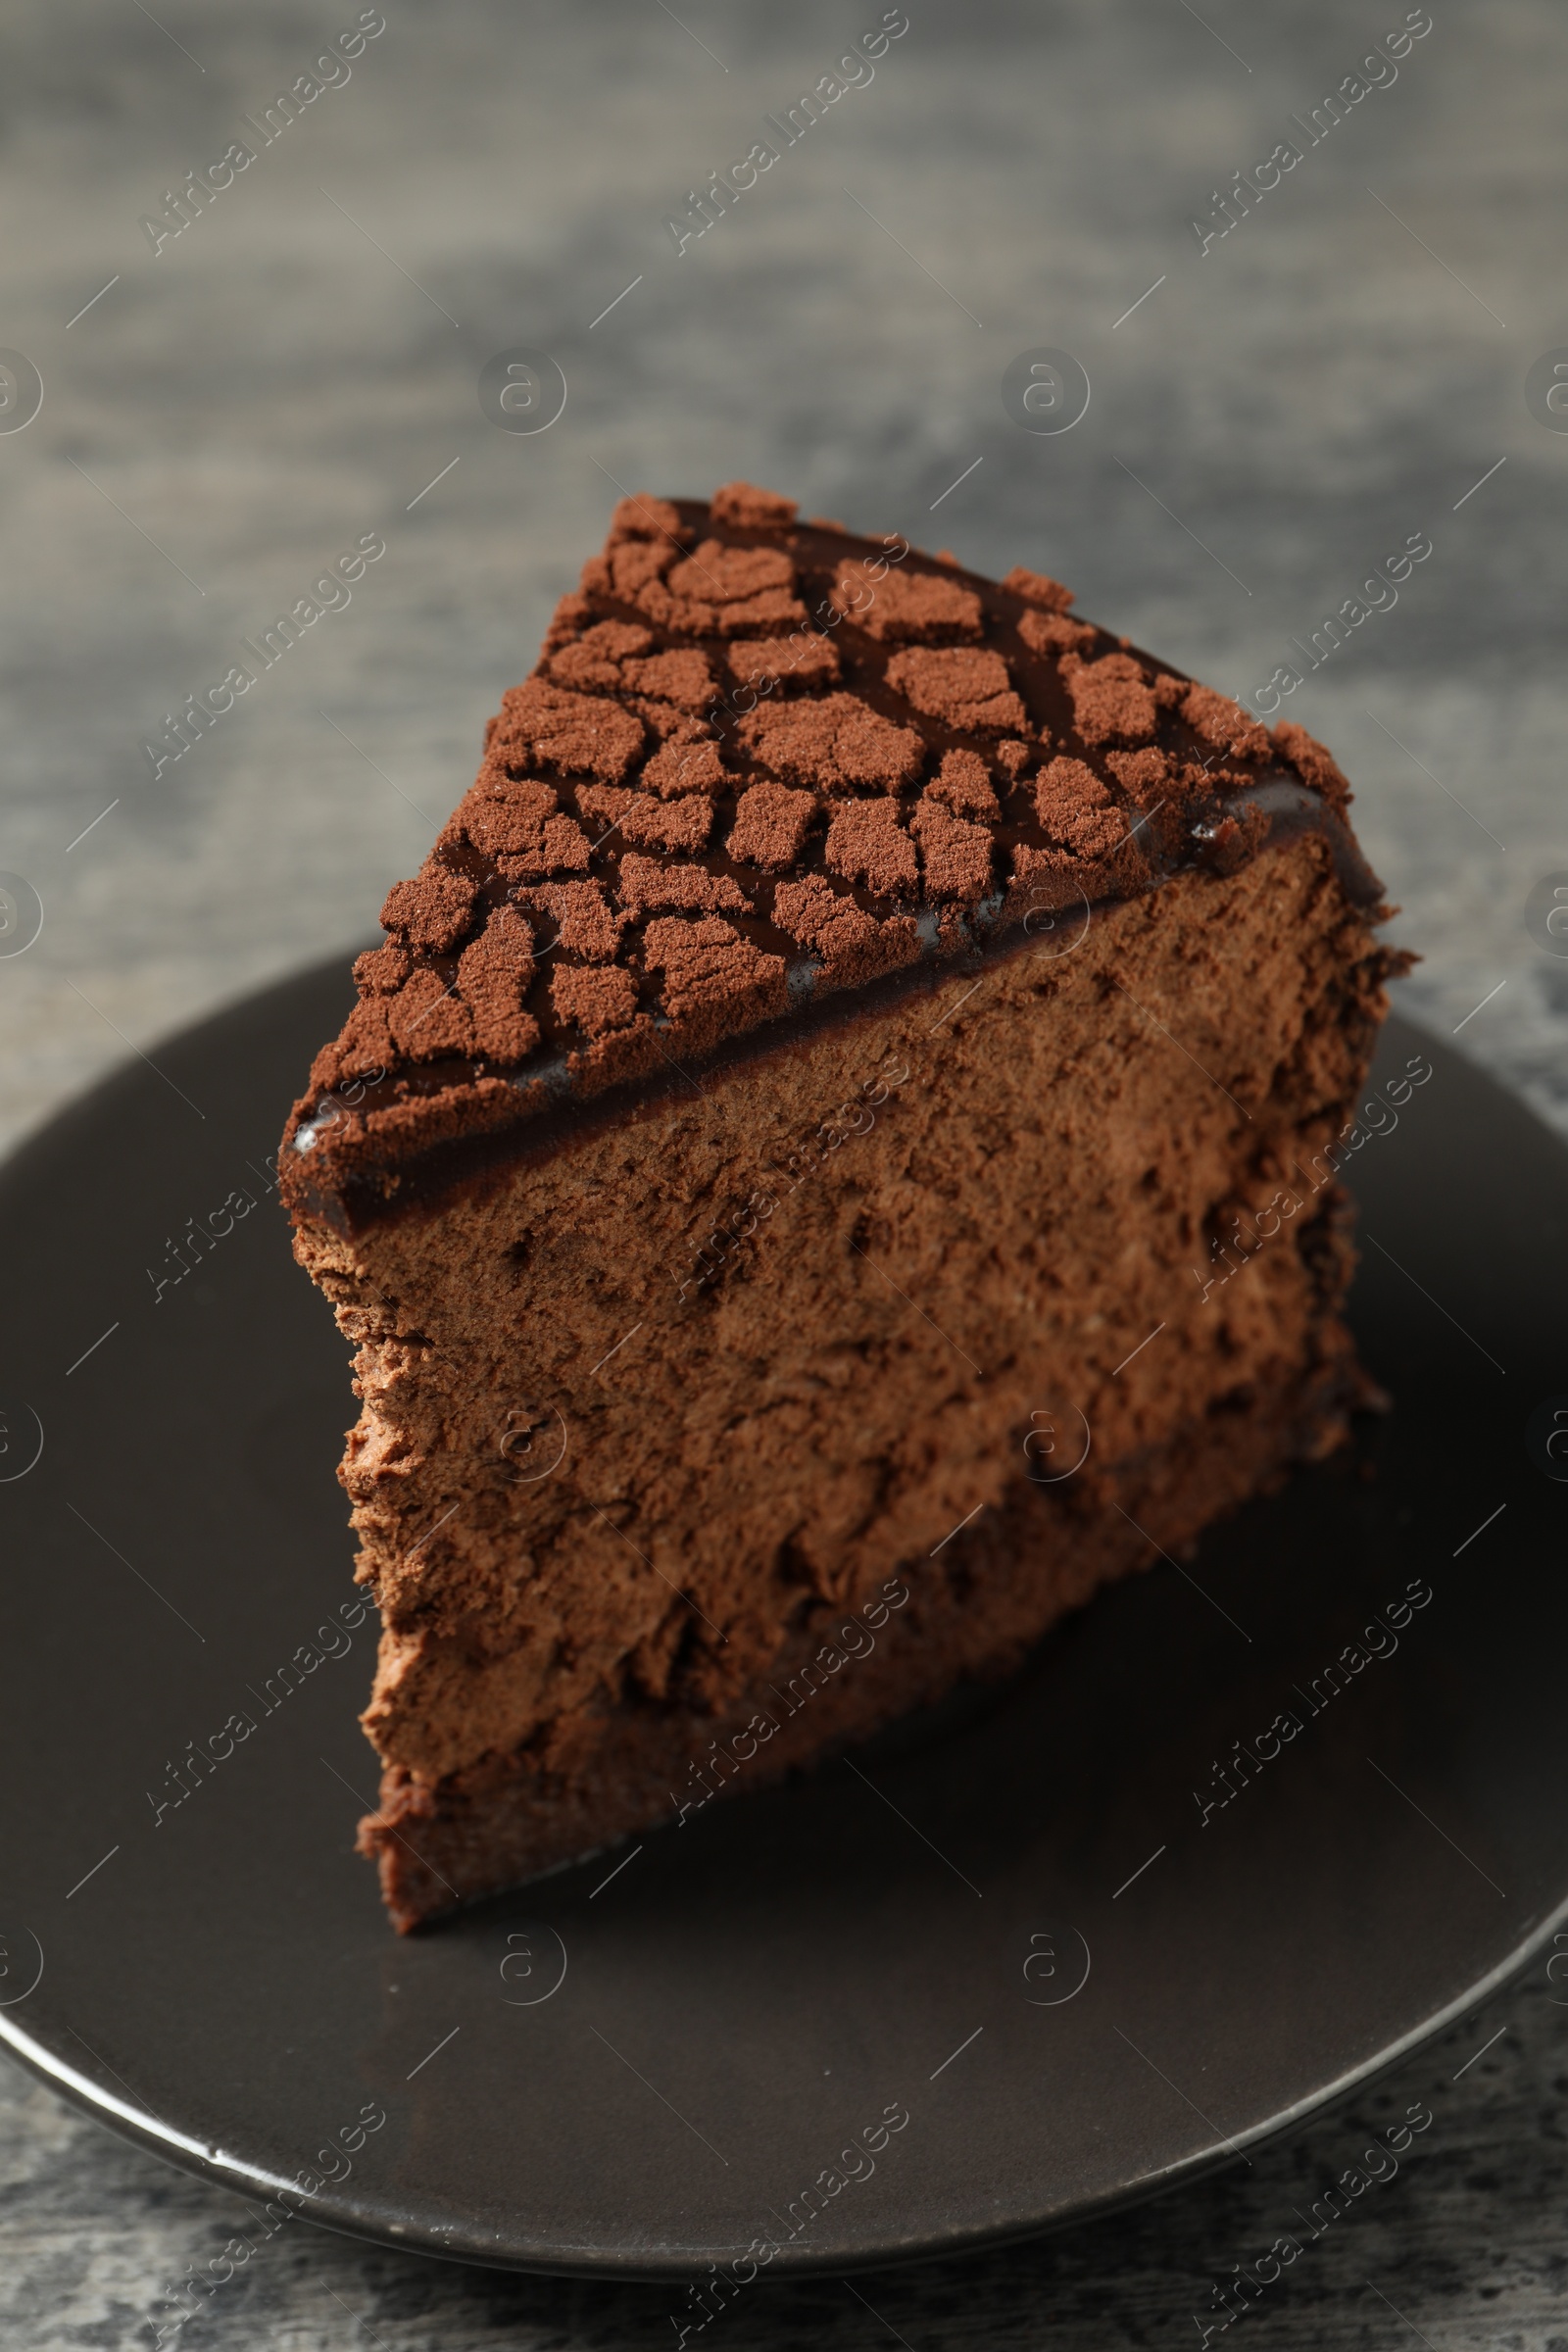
826, 1170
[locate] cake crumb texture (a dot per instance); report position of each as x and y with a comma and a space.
641, 1413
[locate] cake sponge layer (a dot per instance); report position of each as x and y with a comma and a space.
970, 1613
647, 1410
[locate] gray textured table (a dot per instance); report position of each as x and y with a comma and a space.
1271, 417
1465, 2242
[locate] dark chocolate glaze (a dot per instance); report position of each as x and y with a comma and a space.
340, 1170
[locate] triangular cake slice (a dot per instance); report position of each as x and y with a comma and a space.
831, 1164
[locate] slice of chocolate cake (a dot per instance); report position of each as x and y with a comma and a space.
827, 1170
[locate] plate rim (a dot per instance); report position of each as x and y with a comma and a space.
185, 2154
243, 2178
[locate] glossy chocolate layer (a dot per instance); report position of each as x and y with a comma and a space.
768, 776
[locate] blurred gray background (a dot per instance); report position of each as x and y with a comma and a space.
293, 369
280, 379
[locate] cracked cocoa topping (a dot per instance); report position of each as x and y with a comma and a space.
759, 762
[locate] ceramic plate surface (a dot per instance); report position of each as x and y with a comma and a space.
1000, 1972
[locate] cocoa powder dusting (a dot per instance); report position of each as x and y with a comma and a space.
747, 733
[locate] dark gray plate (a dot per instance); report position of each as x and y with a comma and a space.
1015, 1927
